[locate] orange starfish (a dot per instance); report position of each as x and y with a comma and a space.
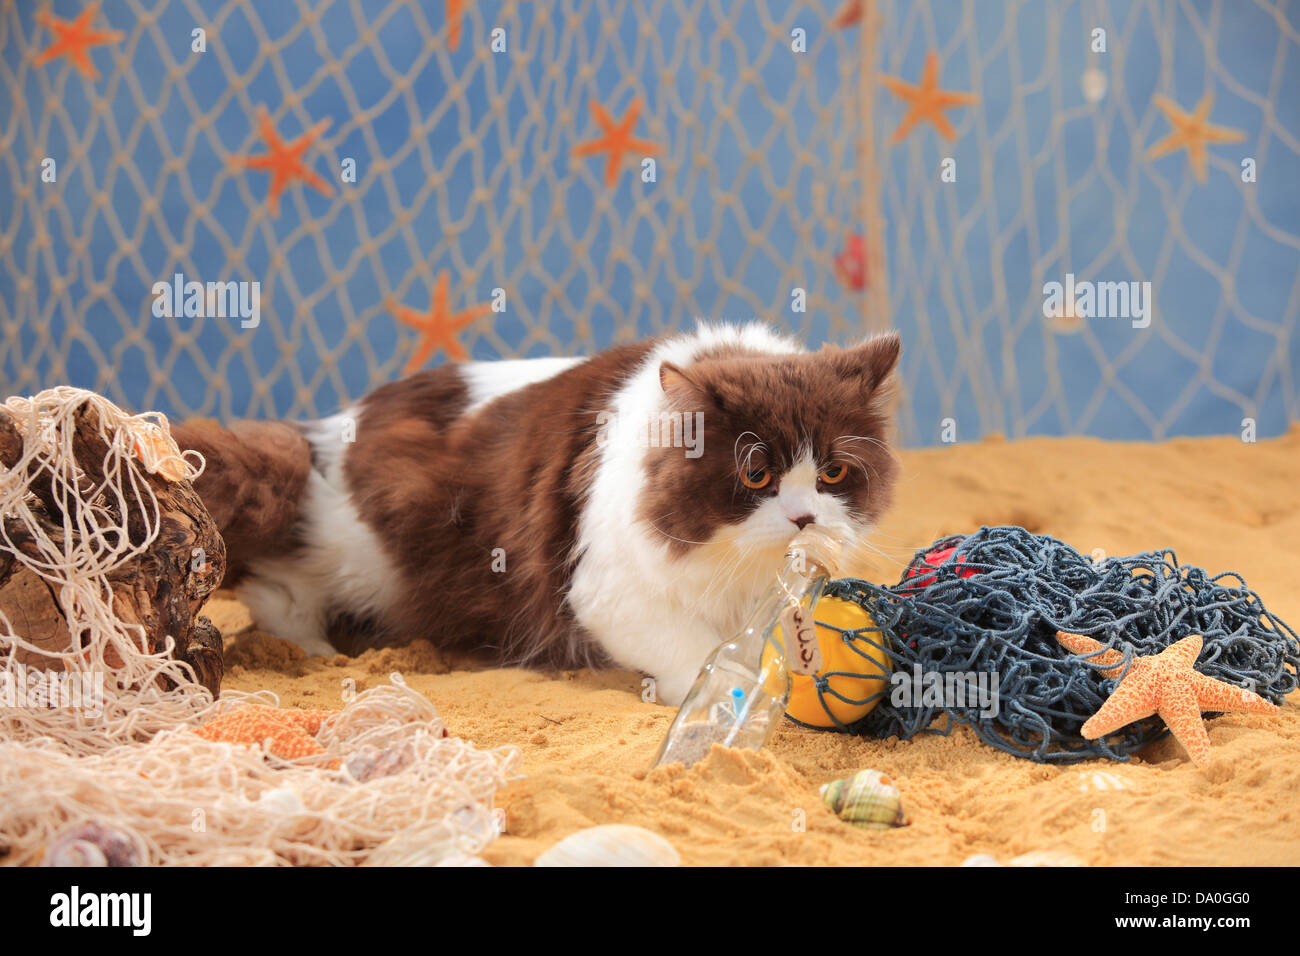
75, 39
617, 139
1164, 684
284, 161
438, 326
287, 734
1192, 131
453, 11
848, 15
927, 101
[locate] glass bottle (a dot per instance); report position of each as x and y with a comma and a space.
744, 686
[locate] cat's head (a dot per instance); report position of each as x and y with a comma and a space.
786, 440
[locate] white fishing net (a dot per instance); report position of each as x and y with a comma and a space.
116, 771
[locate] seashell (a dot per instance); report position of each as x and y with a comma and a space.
242, 856
1033, 858
1046, 858
462, 859
94, 844
78, 853
476, 825
867, 799
452, 841
282, 801
428, 846
1104, 780
613, 844
370, 763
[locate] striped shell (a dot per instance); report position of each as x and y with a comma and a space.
867, 799
94, 844
613, 844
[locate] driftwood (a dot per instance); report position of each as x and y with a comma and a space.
161, 590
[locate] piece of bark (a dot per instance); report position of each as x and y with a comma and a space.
161, 589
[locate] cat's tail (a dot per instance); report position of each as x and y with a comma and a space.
253, 484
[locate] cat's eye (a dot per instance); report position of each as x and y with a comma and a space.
833, 475
756, 479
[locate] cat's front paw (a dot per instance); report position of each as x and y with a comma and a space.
671, 690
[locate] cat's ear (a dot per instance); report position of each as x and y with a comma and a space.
681, 385
673, 379
873, 361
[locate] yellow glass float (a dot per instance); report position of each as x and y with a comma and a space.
861, 676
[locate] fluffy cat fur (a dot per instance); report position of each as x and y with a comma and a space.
521, 506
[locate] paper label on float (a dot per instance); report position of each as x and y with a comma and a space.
803, 653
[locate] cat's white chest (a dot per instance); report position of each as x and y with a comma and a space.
663, 618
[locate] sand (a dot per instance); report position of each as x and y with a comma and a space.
587, 738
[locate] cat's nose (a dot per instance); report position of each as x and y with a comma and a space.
802, 521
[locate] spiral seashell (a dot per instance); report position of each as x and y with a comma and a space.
867, 799
94, 844
371, 763
77, 853
613, 844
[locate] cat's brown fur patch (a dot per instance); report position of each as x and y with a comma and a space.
252, 484
444, 494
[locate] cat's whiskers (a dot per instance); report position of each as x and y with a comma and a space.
890, 451
750, 450
875, 441
720, 580
866, 471
739, 564
865, 542
653, 523
909, 547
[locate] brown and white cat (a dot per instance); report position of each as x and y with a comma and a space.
627, 508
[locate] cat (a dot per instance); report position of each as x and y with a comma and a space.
625, 509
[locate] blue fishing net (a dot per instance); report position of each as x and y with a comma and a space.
994, 607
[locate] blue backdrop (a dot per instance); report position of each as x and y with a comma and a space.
465, 165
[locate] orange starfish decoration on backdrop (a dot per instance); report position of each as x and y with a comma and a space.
1164, 684
75, 38
438, 326
927, 101
617, 139
1192, 132
287, 734
848, 15
453, 10
284, 161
